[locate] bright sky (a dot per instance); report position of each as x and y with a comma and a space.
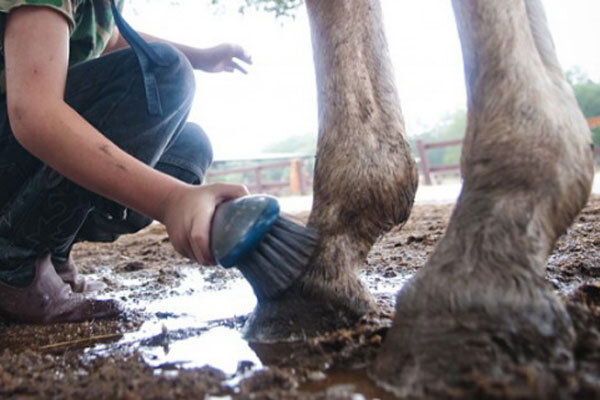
244, 113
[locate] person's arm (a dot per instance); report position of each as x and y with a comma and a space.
214, 59
36, 48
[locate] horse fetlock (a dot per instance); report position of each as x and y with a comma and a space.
366, 198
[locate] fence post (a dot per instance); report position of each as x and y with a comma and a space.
424, 164
258, 173
594, 122
296, 184
301, 176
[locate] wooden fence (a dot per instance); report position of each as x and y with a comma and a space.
298, 181
428, 170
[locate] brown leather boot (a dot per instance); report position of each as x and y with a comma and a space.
68, 272
49, 300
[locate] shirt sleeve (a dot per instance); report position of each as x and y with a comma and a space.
64, 7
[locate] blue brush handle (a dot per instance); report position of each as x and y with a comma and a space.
239, 225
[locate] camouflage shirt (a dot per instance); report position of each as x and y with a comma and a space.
90, 22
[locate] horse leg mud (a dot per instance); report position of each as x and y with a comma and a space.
479, 320
365, 178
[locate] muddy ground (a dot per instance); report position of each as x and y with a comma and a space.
181, 335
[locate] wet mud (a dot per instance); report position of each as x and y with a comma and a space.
182, 334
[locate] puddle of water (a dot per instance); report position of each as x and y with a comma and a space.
203, 305
189, 331
194, 327
197, 326
220, 347
355, 383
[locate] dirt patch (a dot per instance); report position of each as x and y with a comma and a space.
173, 303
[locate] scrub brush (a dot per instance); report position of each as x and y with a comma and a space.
271, 251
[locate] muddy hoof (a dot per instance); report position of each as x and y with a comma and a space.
307, 310
471, 338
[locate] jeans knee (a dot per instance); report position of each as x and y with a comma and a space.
177, 84
191, 151
203, 142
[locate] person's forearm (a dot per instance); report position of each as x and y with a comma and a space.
75, 149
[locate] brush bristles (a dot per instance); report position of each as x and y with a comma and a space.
279, 259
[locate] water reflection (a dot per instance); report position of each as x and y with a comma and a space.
199, 304
220, 347
197, 325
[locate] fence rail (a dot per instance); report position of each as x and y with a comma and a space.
428, 170
298, 182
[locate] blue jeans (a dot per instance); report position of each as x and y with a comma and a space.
42, 212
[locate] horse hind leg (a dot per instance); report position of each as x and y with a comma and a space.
479, 319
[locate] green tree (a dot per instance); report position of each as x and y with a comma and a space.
304, 144
278, 7
587, 92
300, 144
450, 127
281, 8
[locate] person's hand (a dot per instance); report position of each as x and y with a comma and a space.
188, 217
224, 57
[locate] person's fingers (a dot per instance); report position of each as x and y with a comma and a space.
239, 52
200, 241
231, 191
183, 248
198, 256
233, 65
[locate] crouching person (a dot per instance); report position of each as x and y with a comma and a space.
94, 143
